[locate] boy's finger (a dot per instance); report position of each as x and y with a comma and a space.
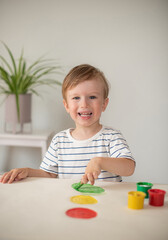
3, 177
95, 175
6, 177
12, 177
90, 178
84, 179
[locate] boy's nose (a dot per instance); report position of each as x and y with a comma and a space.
84, 102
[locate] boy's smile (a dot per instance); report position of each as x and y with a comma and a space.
85, 103
85, 115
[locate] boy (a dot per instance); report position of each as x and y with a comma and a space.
90, 150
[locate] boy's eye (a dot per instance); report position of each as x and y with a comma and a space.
75, 98
92, 97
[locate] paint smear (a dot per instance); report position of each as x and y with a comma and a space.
82, 199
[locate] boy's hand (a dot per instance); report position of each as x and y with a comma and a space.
14, 175
92, 171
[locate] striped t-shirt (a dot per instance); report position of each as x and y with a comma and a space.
69, 157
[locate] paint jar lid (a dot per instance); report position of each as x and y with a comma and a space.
144, 184
156, 192
137, 194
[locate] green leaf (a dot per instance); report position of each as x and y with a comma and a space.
6, 63
20, 63
12, 58
17, 106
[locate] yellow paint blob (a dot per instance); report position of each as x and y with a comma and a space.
82, 199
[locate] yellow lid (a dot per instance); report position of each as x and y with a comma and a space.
137, 194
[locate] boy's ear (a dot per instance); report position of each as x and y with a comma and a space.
66, 105
106, 101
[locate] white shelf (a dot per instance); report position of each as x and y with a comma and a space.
26, 140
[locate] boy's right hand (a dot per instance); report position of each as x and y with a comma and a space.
14, 175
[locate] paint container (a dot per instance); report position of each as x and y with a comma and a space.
136, 199
156, 197
144, 187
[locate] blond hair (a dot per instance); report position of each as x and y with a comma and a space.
81, 73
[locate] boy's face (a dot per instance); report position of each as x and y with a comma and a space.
85, 103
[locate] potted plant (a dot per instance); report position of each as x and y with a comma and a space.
18, 81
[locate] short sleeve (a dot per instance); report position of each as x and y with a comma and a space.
119, 147
50, 160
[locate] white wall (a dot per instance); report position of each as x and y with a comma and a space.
125, 39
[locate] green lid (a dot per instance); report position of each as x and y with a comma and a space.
144, 184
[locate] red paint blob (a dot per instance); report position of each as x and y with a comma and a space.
81, 213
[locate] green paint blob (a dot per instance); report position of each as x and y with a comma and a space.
87, 188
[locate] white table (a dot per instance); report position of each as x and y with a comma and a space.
34, 208
26, 140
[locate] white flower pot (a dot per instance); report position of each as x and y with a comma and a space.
11, 116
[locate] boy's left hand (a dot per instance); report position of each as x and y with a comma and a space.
92, 171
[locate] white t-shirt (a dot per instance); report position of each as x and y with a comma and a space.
69, 157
